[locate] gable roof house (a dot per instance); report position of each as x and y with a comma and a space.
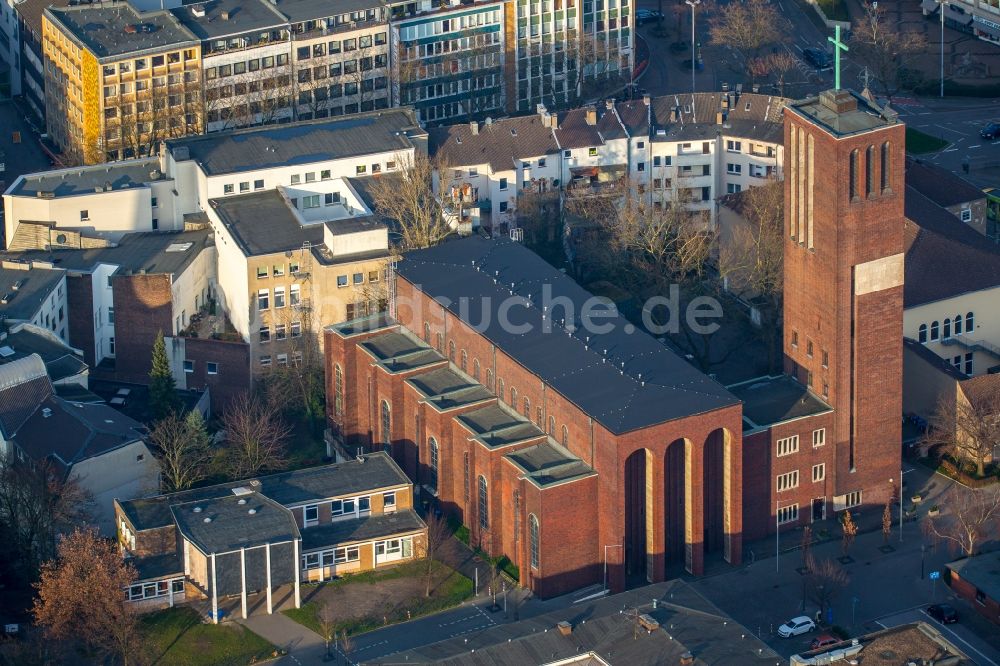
100, 448
948, 190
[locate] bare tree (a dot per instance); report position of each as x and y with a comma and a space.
747, 27
878, 43
407, 197
438, 534
327, 620
81, 596
974, 515
824, 581
967, 427
849, 530
346, 646
806, 545
37, 503
182, 448
256, 436
780, 64
250, 98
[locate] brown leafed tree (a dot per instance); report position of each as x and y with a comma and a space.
973, 515
37, 503
849, 530
81, 597
824, 581
880, 44
407, 198
182, 448
438, 534
256, 436
967, 427
747, 27
887, 521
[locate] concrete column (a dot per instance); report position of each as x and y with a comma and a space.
170, 591
267, 563
243, 581
296, 563
215, 594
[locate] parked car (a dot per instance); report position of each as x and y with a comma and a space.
990, 132
816, 57
822, 641
943, 613
796, 626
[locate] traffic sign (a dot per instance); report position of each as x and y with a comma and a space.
934, 575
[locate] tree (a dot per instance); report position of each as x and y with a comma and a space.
81, 596
879, 44
256, 436
37, 502
408, 198
887, 521
747, 27
182, 447
967, 426
346, 645
163, 398
974, 515
806, 546
780, 64
327, 620
438, 534
824, 581
849, 530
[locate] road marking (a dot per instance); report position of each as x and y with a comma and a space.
974, 147
483, 613
955, 637
369, 647
949, 150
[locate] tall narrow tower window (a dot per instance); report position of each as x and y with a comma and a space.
869, 171
885, 173
853, 175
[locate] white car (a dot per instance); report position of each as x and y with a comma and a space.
796, 626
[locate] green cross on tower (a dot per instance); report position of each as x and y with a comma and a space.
838, 46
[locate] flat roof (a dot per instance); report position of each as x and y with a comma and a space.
243, 16
365, 529
768, 401
225, 524
299, 143
843, 112
623, 378
368, 324
548, 463
447, 388
264, 223
22, 292
85, 180
983, 571
155, 252
372, 471
118, 29
303, 10
400, 351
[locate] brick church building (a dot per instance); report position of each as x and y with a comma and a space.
587, 451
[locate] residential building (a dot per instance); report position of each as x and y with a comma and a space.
31, 55
118, 81
10, 71
977, 580
64, 365
949, 191
979, 17
35, 295
260, 534
97, 446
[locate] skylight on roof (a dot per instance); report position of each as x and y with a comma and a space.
179, 247
6, 352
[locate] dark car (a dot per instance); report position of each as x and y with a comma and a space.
943, 613
816, 57
991, 131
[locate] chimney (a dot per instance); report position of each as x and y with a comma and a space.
591, 115
719, 117
646, 99
565, 628
609, 104
46, 412
687, 659
225, 14
474, 126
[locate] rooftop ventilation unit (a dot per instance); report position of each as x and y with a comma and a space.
198, 11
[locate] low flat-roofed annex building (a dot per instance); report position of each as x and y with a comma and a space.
627, 422
34, 295
255, 535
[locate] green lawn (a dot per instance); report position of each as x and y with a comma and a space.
451, 591
918, 142
177, 636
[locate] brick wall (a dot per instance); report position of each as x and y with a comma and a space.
232, 375
80, 302
143, 307
988, 608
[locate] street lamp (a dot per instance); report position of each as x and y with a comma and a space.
613, 545
941, 12
693, 4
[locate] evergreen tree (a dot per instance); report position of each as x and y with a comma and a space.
163, 397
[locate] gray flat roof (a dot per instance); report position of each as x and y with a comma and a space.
84, 180
301, 143
375, 322
224, 524
373, 471
399, 351
623, 378
857, 114
549, 463
771, 400
263, 223
983, 571
365, 529
25, 291
244, 16
153, 252
109, 30
303, 10
446, 388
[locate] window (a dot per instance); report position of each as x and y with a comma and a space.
552, 427
966, 215
958, 324
935, 331
212, 368
489, 378
244, 186
465, 361
279, 297
475, 369
451, 351
389, 500
886, 169
84, 215
433, 470
641, 166
826, 359
465, 475
373, 276
188, 366
565, 436
869, 171
386, 425
295, 294
819, 437
809, 348
734, 146
788, 514
484, 505
341, 280
527, 408
264, 334
819, 472
280, 332
733, 188
592, 152
922, 333
358, 278
852, 178
734, 168
969, 323
263, 299
980, 597
968, 363
788, 445
503, 206
310, 201
338, 391
533, 539
788, 481
311, 515
947, 329
503, 184
852, 500
360, 169
296, 179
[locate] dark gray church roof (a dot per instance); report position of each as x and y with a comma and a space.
624, 378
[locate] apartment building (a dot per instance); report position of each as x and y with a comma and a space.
34, 295
118, 81
979, 17
257, 535
30, 60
